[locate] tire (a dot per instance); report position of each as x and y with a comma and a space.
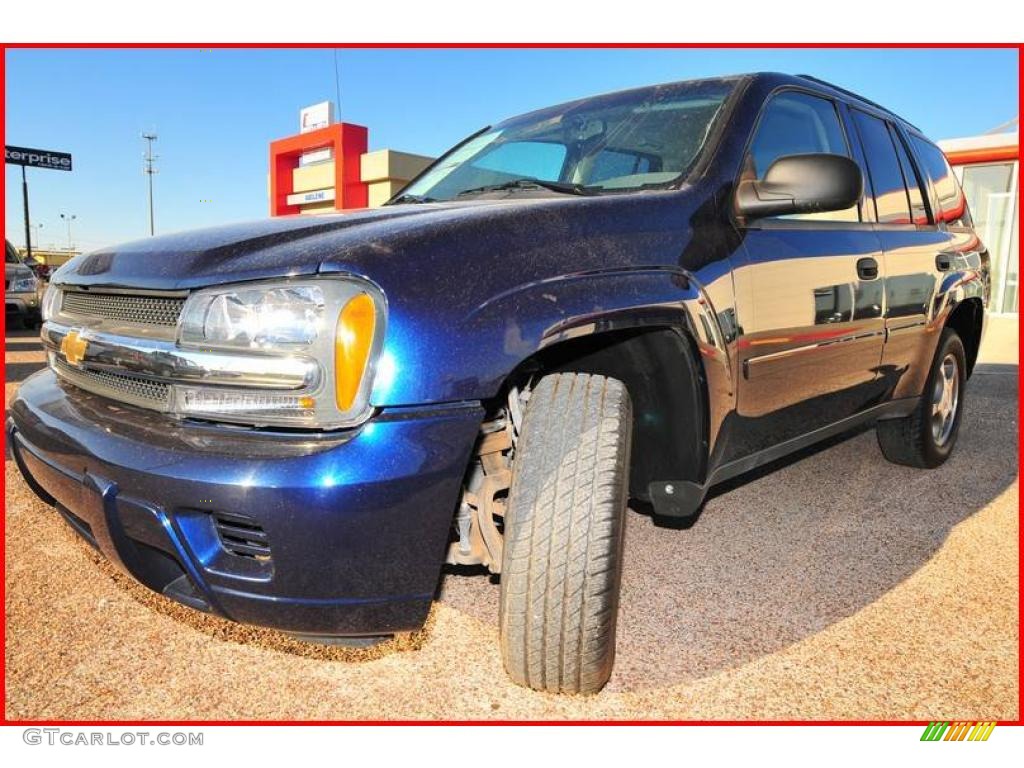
914, 440
562, 562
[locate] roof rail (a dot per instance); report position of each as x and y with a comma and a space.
848, 92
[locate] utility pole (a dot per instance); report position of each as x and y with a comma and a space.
149, 158
28, 226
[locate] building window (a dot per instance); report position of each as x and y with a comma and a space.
990, 192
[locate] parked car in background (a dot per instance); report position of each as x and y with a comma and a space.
21, 291
296, 422
39, 269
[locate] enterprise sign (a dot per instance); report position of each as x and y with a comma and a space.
37, 158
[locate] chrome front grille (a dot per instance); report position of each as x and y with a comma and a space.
134, 390
129, 308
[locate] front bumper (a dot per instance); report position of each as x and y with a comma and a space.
356, 523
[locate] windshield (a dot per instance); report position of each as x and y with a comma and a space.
622, 142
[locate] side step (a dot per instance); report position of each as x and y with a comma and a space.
681, 499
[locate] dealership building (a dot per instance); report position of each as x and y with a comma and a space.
326, 167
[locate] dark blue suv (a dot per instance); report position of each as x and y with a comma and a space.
296, 422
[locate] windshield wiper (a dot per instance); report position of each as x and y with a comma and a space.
554, 186
410, 198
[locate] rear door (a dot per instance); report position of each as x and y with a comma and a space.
809, 308
924, 237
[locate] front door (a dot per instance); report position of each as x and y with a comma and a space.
809, 293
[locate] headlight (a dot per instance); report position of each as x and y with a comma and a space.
51, 302
23, 284
335, 324
255, 318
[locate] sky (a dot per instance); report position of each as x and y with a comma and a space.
216, 111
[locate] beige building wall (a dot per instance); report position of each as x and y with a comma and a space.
385, 172
311, 177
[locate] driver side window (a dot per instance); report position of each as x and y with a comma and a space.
795, 123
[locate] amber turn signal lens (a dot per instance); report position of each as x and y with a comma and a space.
353, 337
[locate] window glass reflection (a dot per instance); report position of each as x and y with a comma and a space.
914, 182
891, 201
952, 204
799, 124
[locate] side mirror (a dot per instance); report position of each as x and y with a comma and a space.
811, 183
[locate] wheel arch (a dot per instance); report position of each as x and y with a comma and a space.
662, 371
967, 319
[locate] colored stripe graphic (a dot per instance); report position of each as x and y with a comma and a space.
960, 730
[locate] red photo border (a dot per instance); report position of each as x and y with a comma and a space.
1019, 47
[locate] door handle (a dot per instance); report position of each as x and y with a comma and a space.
944, 262
867, 268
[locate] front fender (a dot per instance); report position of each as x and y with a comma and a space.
439, 353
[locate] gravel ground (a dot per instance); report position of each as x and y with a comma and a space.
835, 587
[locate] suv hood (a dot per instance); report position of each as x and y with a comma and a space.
266, 248
502, 240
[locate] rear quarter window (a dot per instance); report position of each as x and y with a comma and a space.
951, 201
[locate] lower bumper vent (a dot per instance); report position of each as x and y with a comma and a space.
242, 536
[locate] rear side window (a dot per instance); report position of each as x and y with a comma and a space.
952, 203
891, 201
915, 186
794, 123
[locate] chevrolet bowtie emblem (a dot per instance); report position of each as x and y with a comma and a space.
73, 348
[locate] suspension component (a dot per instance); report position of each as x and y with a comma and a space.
480, 540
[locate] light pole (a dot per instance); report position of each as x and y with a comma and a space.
39, 234
28, 224
68, 218
149, 158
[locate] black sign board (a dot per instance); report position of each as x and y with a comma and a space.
37, 158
